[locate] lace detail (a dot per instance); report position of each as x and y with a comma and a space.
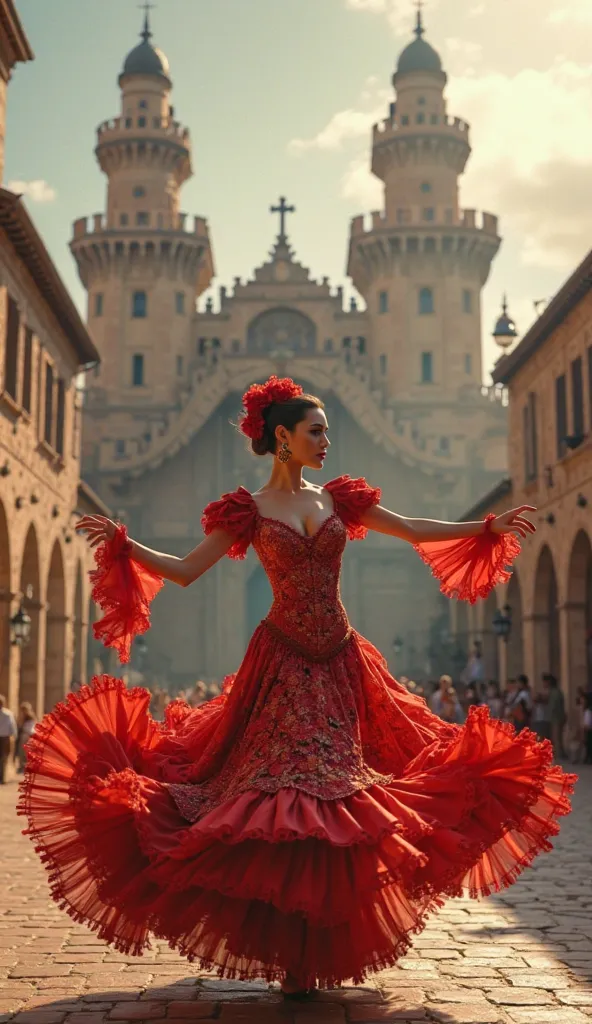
352, 497
470, 568
235, 512
124, 590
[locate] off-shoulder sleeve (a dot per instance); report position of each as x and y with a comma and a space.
470, 568
235, 512
352, 497
124, 590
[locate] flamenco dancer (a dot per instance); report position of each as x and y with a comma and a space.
301, 826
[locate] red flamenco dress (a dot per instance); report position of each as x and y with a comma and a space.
310, 817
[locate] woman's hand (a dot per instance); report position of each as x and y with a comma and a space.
514, 522
98, 528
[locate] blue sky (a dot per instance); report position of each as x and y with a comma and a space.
280, 96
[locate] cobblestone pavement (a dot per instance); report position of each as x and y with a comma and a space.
523, 957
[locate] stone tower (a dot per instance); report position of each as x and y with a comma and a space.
141, 262
423, 261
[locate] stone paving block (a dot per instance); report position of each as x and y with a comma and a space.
471, 1013
560, 1015
385, 1014
137, 1011
575, 997
462, 970
86, 1018
41, 971
234, 1013
520, 996
549, 980
187, 1008
42, 1016
309, 1014
228, 985
349, 995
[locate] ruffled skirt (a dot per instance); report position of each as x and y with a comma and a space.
307, 820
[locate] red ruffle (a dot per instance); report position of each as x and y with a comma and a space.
124, 590
470, 568
235, 512
268, 882
352, 497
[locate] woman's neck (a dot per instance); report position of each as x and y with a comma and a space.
285, 477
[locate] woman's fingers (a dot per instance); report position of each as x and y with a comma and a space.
526, 523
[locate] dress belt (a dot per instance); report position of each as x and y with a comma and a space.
304, 651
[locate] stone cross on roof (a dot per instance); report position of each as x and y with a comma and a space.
146, 7
282, 209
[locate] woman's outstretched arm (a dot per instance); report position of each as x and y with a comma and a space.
182, 571
421, 531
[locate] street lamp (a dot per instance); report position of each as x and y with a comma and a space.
397, 645
502, 622
20, 623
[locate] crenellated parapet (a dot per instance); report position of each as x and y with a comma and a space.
443, 141
380, 249
153, 143
183, 252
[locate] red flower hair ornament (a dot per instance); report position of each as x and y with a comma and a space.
258, 397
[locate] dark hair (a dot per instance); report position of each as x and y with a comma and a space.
523, 679
283, 414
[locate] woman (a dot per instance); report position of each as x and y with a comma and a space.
301, 825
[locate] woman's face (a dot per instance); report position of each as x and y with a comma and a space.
308, 442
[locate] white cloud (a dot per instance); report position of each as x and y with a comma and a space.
38, 191
575, 10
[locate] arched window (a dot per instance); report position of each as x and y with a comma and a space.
426, 301
282, 329
139, 304
141, 122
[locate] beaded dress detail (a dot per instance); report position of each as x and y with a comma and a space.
309, 818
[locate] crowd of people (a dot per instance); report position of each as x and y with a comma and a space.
543, 710
199, 693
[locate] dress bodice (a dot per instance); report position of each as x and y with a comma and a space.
304, 576
303, 571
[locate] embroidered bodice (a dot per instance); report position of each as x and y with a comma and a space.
303, 571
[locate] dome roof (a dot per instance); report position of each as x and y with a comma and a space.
419, 55
146, 59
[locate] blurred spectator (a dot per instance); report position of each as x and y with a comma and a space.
557, 715
26, 723
494, 699
587, 723
444, 701
517, 709
541, 723
472, 697
8, 729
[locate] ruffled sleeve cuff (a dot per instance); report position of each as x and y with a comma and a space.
124, 590
470, 568
352, 497
236, 513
